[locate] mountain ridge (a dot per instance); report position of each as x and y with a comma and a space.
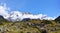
20, 16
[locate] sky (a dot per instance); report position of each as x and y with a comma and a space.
48, 7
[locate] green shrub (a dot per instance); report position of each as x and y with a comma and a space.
46, 22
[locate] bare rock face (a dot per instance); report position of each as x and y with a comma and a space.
28, 32
57, 19
44, 31
0, 30
26, 19
1, 17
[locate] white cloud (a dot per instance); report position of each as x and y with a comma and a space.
4, 11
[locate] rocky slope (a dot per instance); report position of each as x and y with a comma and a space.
30, 26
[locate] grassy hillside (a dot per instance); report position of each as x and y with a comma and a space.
31, 26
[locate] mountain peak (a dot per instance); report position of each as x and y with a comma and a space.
58, 18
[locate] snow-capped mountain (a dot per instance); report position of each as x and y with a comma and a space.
15, 16
18, 16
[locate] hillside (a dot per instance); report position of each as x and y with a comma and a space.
29, 26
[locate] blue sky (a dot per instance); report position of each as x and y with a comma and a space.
48, 7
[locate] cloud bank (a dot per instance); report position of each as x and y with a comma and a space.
17, 15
